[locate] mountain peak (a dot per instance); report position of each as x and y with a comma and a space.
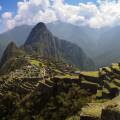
11, 45
41, 25
11, 51
39, 33
43, 43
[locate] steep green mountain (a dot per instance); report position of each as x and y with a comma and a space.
42, 42
102, 45
1, 51
84, 37
10, 53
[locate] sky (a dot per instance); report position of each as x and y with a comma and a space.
93, 13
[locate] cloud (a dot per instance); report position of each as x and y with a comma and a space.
7, 15
7, 21
108, 14
102, 14
31, 12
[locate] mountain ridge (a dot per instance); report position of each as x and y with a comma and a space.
100, 45
42, 41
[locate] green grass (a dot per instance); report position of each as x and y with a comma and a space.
90, 83
34, 62
69, 76
105, 90
99, 93
115, 66
91, 73
57, 71
112, 85
117, 80
93, 110
37, 63
108, 69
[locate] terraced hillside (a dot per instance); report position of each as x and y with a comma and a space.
105, 82
34, 71
109, 110
39, 84
47, 86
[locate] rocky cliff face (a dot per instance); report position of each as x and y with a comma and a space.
42, 42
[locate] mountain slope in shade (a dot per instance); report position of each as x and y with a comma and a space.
10, 52
102, 45
1, 50
83, 36
42, 42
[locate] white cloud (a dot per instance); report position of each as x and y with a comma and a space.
33, 11
108, 15
7, 15
7, 21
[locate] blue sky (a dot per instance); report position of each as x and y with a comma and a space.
11, 5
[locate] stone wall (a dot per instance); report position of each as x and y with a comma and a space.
111, 113
89, 78
85, 117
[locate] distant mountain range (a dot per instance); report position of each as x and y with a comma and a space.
17, 35
42, 43
102, 45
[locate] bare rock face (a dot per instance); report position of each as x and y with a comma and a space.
43, 43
